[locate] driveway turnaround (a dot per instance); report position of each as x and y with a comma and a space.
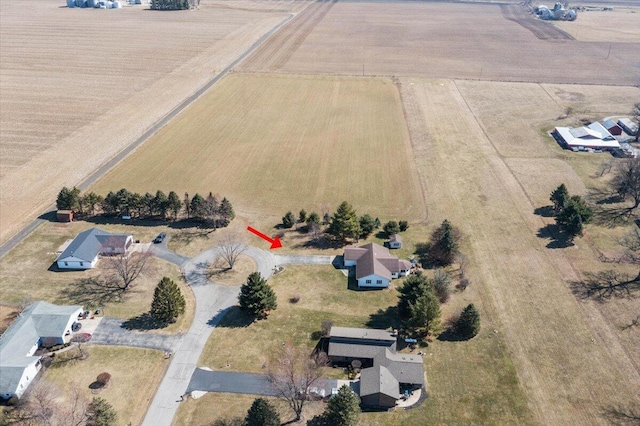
232, 382
110, 332
247, 383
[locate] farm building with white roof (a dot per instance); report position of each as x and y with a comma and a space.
594, 136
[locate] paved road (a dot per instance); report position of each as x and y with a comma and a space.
110, 332
298, 259
163, 252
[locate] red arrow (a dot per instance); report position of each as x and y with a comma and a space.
275, 243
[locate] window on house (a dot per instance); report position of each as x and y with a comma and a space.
81, 263
379, 282
368, 281
66, 263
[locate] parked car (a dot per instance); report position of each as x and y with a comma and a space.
160, 238
76, 326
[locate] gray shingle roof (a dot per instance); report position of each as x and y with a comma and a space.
351, 350
373, 259
40, 319
378, 379
404, 367
395, 238
88, 244
362, 333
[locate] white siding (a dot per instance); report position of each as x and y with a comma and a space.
75, 263
395, 245
27, 377
373, 281
349, 263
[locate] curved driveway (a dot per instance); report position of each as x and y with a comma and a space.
212, 302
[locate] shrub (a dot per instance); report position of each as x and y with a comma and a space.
103, 378
442, 285
295, 298
404, 225
288, 220
391, 227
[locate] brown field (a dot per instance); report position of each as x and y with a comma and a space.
274, 143
424, 39
571, 363
622, 25
79, 85
135, 375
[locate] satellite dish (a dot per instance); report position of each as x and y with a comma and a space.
356, 363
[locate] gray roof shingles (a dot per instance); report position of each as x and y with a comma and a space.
373, 259
88, 244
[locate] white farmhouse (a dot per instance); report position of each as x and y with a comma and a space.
85, 248
375, 266
38, 322
593, 136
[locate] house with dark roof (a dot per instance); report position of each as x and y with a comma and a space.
612, 127
375, 266
385, 374
37, 323
83, 251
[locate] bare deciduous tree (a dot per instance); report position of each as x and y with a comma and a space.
40, 406
626, 181
292, 373
231, 246
126, 268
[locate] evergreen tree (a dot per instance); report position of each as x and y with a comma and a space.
90, 201
68, 199
197, 206
573, 215
414, 286
256, 296
404, 225
101, 413
262, 413
187, 205
313, 218
559, 198
160, 204
367, 225
288, 220
468, 325
444, 244
425, 313
391, 227
110, 203
226, 212
344, 223
174, 204
168, 302
302, 216
376, 223
147, 204
343, 409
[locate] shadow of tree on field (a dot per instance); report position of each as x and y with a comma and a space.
384, 319
605, 285
546, 211
91, 292
558, 239
143, 322
622, 415
234, 317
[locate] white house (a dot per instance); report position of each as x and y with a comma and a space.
395, 241
38, 322
628, 126
85, 248
594, 136
375, 266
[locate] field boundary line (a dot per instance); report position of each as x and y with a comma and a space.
12, 242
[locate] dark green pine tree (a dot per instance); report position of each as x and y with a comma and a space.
391, 227
414, 286
343, 409
262, 413
174, 204
256, 296
344, 223
226, 212
573, 215
197, 207
101, 413
68, 199
168, 302
425, 313
444, 244
559, 198
288, 220
468, 324
367, 225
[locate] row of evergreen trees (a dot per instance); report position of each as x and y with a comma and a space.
170, 4
216, 212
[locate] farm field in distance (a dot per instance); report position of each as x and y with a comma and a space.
69, 74
277, 143
429, 43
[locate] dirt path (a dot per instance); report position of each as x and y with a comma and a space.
569, 363
541, 29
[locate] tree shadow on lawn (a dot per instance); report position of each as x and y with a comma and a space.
144, 322
321, 243
558, 239
383, 319
91, 292
232, 317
